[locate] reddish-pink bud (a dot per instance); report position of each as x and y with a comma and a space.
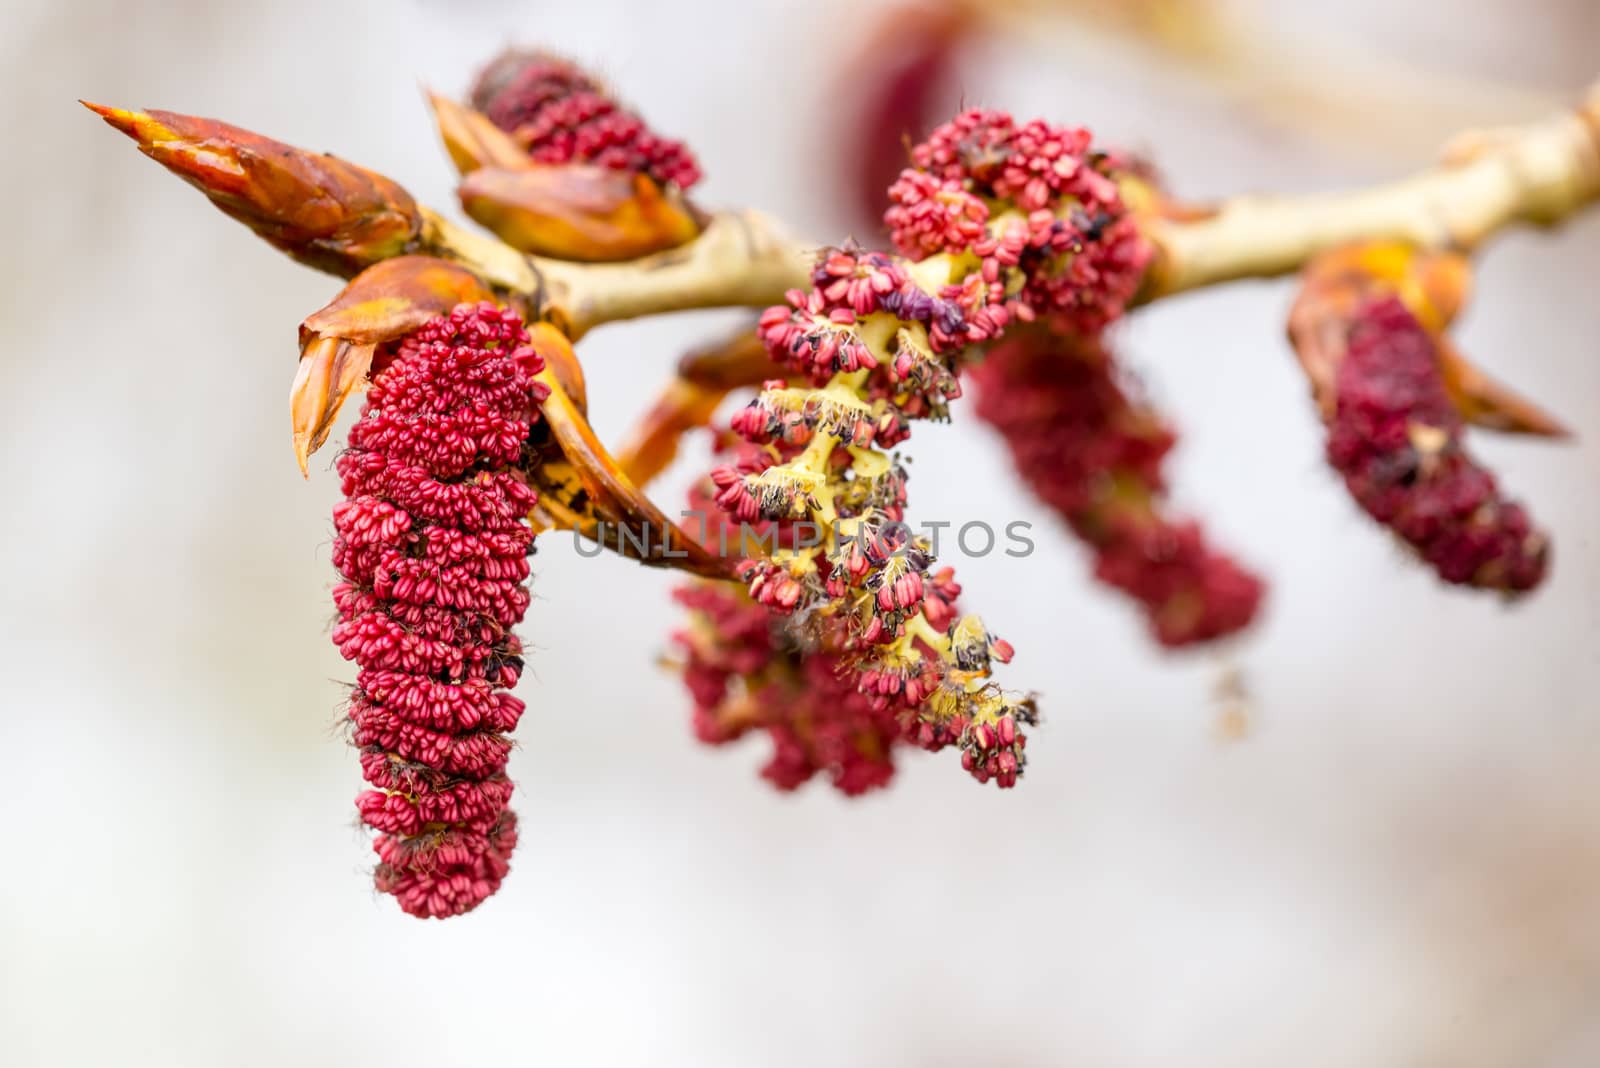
561, 114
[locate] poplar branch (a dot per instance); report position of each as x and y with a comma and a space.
1541, 174
742, 258
1538, 174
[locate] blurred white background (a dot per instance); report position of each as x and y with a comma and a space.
1399, 866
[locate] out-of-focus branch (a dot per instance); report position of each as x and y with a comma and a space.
1341, 90
1538, 174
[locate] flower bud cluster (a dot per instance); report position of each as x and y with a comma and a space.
997, 223
560, 115
865, 631
1035, 210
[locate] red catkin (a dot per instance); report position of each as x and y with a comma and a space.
1395, 436
1094, 455
1038, 223
744, 677
829, 703
432, 545
903, 69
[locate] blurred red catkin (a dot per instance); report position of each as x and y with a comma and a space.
743, 678
432, 544
1094, 454
560, 115
1395, 436
904, 65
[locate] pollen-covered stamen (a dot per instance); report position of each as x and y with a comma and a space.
960, 708
973, 647
813, 339
771, 418
939, 592
898, 585
778, 492
773, 585
924, 383
983, 313
899, 676
878, 572
794, 416
433, 546
857, 279
877, 488
992, 745
892, 426
943, 318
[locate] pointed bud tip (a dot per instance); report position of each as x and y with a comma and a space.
323, 211
434, 100
126, 121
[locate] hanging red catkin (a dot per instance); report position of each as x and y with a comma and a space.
905, 66
1095, 455
745, 678
1395, 436
432, 544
